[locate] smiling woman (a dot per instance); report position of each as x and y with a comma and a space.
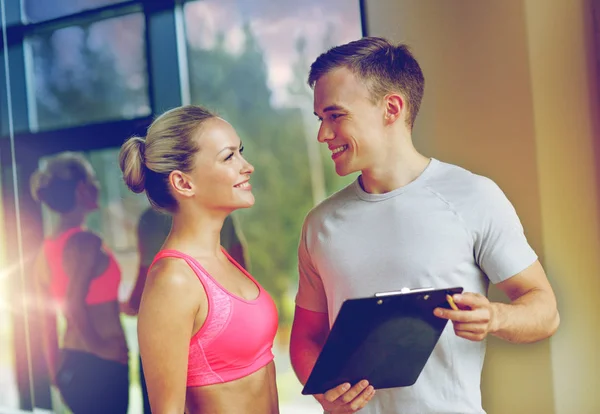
249, 60
191, 166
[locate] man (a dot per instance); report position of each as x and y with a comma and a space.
412, 221
153, 228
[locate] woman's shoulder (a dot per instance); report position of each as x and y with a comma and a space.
172, 273
84, 241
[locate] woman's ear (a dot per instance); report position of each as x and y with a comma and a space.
86, 194
81, 192
181, 183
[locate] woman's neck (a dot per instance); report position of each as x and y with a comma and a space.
70, 220
196, 234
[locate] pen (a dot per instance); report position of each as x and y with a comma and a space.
451, 302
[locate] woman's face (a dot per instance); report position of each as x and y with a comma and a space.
221, 174
87, 191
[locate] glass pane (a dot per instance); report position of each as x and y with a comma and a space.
17, 381
38, 10
249, 60
9, 392
89, 73
116, 222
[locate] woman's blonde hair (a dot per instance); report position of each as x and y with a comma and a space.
55, 183
169, 145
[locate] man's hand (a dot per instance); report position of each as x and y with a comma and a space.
346, 399
475, 318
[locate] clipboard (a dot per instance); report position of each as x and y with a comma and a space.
386, 339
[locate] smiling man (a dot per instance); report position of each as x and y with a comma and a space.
408, 220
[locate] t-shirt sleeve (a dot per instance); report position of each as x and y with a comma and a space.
501, 248
311, 292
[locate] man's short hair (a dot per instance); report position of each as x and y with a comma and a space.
385, 68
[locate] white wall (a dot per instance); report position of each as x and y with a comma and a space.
510, 94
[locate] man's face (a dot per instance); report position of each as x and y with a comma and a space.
351, 124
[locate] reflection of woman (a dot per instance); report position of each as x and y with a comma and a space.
75, 271
205, 327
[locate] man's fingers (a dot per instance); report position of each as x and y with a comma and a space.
335, 393
471, 300
470, 335
351, 394
464, 316
475, 328
363, 398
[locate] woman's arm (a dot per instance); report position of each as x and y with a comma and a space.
170, 302
83, 260
46, 312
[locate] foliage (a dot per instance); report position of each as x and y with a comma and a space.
235, 85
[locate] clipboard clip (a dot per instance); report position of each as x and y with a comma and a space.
404, 290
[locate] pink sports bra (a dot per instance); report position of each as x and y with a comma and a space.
104, 288
237, 336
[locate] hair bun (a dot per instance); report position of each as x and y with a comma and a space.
132, 164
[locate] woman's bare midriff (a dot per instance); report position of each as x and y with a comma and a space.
254, 394
105, 319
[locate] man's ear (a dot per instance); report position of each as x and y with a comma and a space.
181, 183
395, 108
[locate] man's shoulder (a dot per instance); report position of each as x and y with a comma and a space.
334, 202
458, 185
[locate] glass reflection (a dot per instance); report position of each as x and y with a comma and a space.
89, 73
249, 61
16, 389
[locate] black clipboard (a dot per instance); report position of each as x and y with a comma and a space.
385, 339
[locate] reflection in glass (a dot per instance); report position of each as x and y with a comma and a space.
16, 388
38, 10
249, 61
89, 73
116, 223
9, 394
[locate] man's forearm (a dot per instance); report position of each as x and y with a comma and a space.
304, 354
530, 318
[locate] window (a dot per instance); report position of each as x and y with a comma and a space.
89, 73
115, 222
39, 10
249, 61
8, 304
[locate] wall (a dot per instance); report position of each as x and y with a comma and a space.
508, 96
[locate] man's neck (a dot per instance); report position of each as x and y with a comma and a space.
394, 173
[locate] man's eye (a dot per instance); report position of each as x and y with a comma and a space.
335, 116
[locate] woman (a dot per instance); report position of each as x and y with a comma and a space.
205, 326
78, 275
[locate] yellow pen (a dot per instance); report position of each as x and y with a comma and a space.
451, 302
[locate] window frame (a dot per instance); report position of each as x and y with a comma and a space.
167, 88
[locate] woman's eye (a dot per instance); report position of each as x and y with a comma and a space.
241, 150
230, 156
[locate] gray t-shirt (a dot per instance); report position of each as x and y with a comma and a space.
447, 228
